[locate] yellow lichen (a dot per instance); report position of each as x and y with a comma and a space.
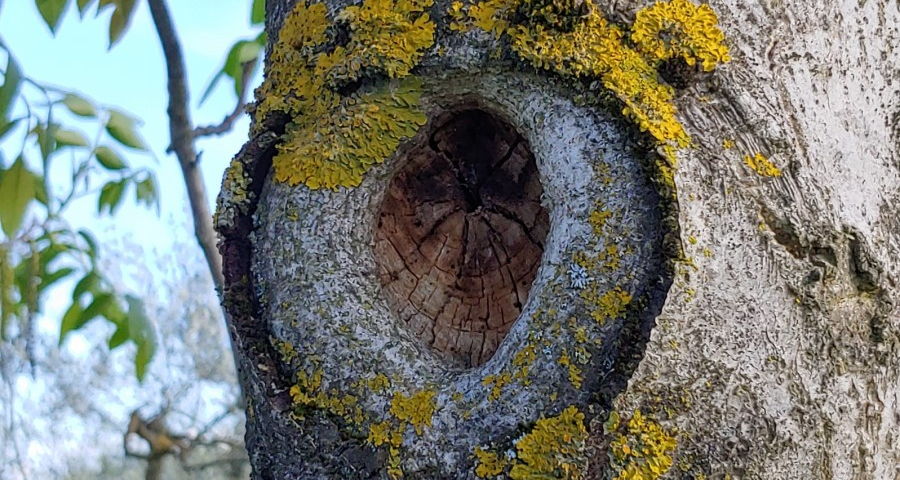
576, 41
308, 393
574, 372
592, 47
678, 28
488, 464
598, 218
286, 350
378, 433
608, 305
496, 383
554, 448
644, 451
333, 139
379, 383
727, 144
762, 166
416, 410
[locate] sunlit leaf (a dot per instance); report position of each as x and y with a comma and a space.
46, 138
79, 105
123, 128
70, 138
121, 17
70, 321
83, 6
111, 196
141, 331
7, 280
108, 157
51, 11
146, 192
16, 192
120, 336
88, 283
11, 82
40, 191
102, 305
91, 243
142, 358
258, 12
241, 52
50, 278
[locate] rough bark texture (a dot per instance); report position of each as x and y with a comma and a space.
774, 353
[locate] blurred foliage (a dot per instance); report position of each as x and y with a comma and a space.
54, 164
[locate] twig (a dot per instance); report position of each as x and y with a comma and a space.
182, 137
228, 122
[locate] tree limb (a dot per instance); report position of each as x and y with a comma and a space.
182, 137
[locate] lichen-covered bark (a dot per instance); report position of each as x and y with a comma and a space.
774, 354
777, 350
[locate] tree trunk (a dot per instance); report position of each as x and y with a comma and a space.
524, 285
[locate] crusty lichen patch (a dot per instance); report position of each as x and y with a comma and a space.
334, 138
593, 47
643, 451
762, 165
576, 41
554, 448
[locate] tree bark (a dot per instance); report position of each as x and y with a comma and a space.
751, 321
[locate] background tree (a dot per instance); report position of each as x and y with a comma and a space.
458, 243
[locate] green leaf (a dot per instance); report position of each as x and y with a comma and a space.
123, 128
109, 158
40, 191
46, 138
88, 283
141, 331
70, 321
11, 82
83, 6
121, 17
51, 11
6, 127
258, 12
111, 196
142, 358
119, 336
211, 86
241, 52
7, 281
91, 243
103, 304
146, 192
48, 279
70, 138
16, 192
79, 105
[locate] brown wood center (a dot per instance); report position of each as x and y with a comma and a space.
460, 235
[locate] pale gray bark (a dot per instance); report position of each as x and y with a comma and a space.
774, 352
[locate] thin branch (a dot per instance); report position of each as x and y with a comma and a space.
182, 138
228, 122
